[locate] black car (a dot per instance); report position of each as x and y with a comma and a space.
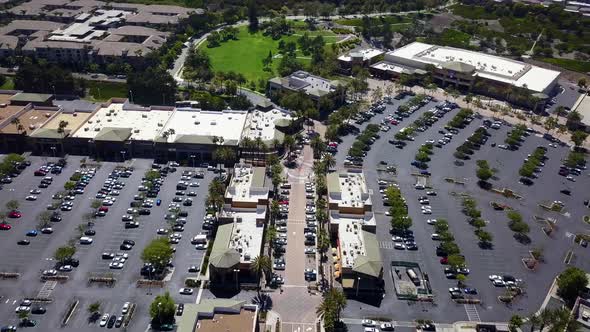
131, 224
23, 242
90, 232
125, 247
111, 322
180, 309
129, 242
144, 212
526, 181
38, 310
55, 217
119, 322
566, 192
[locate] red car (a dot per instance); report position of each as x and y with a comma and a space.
444, 260
284, 202
103, 208
5, 227
40, 173
394, 122
14, 214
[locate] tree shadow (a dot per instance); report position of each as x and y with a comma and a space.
264, 301
93, 317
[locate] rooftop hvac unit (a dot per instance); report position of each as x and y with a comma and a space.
144, 116
74, 114
97, 129
47, 115
109, 120
213, 123
136, 131
98, 121
86, 129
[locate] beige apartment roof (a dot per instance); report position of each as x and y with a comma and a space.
74, 120
30, 120
131, 30
221, 322
8, 110
29, 25
8, 42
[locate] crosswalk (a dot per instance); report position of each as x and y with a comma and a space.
472, 314
47, 289
385, 245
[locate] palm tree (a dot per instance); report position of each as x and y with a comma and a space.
329, 161
223, 155
259, 143
289, 144
246, 144
333, 302
534, 321
16, 123
271, 235
318, 146
261, 264
61, 128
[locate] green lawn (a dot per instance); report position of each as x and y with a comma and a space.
575, 65
452, 37
8, 85
245, 54
103, 91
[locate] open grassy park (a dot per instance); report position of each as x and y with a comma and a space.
245, 54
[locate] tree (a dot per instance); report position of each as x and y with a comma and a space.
162, 310
23, 315
252, 15
224, 155
69, 185
44, 218
262, 264
61, 128
158, 252
578, 137
43, 77
550, 124
515, 323
456, 260
571, 283
144, 84
270, 237
582, 83
333, 302
12, 205
94, 309
484, 237
65, 253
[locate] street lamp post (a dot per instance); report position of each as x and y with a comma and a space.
131, 95
236, 271
53, 148
123, 154
159, 313
358, 282
193, 159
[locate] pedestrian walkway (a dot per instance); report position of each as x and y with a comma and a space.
472, 314
47, 289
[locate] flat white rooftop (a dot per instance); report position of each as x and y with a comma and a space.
352, 244
262, 124
144, 125
246, 237
247, 184
390, 67
227, 124
366, 54
351, 192
488, 66
84, 29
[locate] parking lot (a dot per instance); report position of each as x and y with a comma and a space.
30, 260
505, 257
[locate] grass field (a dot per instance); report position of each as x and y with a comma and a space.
103, 91
245, 54
8, 85
455, 38
575, 65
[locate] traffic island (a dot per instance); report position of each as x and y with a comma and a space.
410, 282
507, 192
499, 206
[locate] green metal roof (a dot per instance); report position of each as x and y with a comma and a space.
370, 263
333, 182
31, 97
200, 139
221, 255
111, 134
49, 133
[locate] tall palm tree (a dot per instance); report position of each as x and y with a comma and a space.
329, 161
289, 144
271, 235
259, 143
261, 264
246, 145
224, 155
534, 321
16, 123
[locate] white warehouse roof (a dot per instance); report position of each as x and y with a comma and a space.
488, 66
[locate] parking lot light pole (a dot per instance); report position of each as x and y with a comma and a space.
123, 154
159, 315
236, 271
53, 148
358, 282
193, 159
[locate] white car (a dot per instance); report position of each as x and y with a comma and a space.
493, 277
426, 211
125, 308
161, 231
386, 327
186, 291
31, 198
201, 246
104, 320
399, 246
194, 184
388, 213
85, 240
571, 178
431, 221
435, 236
22, 308
35, 192
369, 323
50, 273
66, 268
498, 283
397, 239
116, 265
